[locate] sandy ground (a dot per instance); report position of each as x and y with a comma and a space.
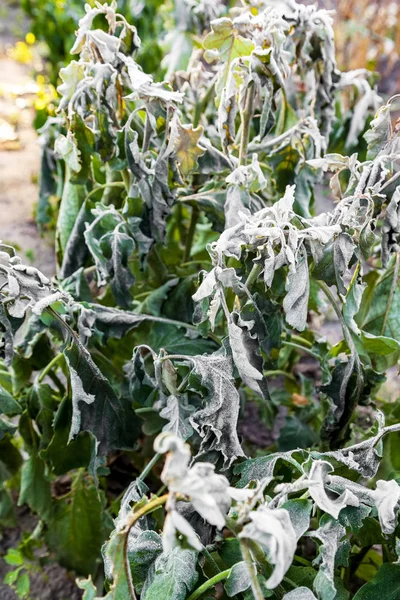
19, 167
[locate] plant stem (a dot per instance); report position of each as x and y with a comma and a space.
201, 105
253, 275
255, 584
192, 228
277, 372
49, 367
149, 467
246, 116
103, 186
144, 510
208, 584
211, 561
299, 347
126, 179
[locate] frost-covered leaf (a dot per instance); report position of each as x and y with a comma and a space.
175, 576
295, 303
245, 354
111, 245
216, 421
238, 579
387, 500
379, 132
317, 476
208, 492
96, 407
177, 414
23, 287
330, 534
67, 148
300, 593
273, 529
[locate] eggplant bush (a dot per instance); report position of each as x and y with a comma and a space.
194, 273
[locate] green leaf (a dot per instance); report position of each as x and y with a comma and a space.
64, 455
10, 459
96, 407
22, 587
111, 245
175, 576
71, 202
35, 487
77, 530
224, 44
386, 584
383, 302
7, 511
8, 405
14, 557
295, 434
184, 144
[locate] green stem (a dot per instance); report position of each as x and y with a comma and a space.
297, 338
253, 275
192, 228
209, 584
255, 584
304, 348
277, 372
127, 180
49, 367
215, 568
353, 364
246, 116
201, 106
103, 186
144, 510
149, 467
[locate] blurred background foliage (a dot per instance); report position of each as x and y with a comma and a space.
367, 35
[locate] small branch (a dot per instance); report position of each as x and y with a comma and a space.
49, 367
202, 104
211, 561
209, 584
246, 116
253, 275
103, 186
192, 228
149, 466
144, 510
255, 584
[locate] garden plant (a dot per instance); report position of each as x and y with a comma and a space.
173, 409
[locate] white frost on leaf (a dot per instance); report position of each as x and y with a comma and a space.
387, 500
323, 498
209, 492
273, 529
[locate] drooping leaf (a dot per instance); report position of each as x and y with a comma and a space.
216, 421
238, 579
183, 144
175, 576
35, 487
96, 407
78, 527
